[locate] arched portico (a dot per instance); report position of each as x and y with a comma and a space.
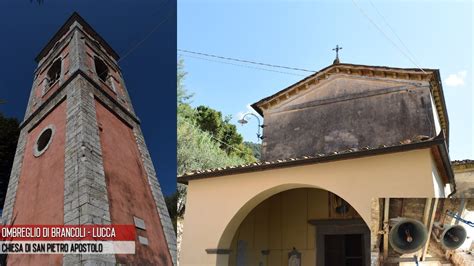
308, 222
234, 223
217, 206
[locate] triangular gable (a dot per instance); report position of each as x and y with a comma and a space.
380, 73
342, 87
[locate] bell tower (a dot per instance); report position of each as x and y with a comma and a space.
81, 156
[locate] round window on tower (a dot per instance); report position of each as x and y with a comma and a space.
43, 141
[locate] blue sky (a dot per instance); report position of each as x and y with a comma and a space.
301, 34
149, 70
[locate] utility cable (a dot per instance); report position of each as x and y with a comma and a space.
211, 136
127, 53
245, 61
146, 37
393, 31
385, 35
241, 65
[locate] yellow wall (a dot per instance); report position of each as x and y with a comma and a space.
216, 207
280, 223
464, 176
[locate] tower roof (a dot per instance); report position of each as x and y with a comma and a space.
75, 17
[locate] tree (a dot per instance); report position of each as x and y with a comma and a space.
182, 93
9, 133
210, 121
206, 139
175, 205
256, 149
198, 149
225, 133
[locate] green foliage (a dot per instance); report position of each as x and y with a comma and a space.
9, 132
198, 150
176, 205
225, 133
171, 203
206, 140
182, 93
210, 121
256, 149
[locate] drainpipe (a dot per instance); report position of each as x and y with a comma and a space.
443, 149
430, 227
454, 190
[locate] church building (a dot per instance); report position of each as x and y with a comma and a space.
332, 143
81, 156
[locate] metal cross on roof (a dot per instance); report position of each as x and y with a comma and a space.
336, 61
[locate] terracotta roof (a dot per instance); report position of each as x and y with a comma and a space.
418, 142
462, 165
462, 162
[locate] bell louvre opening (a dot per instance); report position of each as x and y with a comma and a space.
54, 72
101, 69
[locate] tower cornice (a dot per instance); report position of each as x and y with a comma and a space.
75, 17
57, 93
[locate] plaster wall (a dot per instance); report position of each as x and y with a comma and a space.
345, 112
465, 183
128, 190
217, 206
280, 223
80, 195
39, 198
41, 90
113, 86
440, 189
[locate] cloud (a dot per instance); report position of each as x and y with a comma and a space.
456, 80
249, 109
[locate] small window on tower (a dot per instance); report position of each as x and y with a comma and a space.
101, 69
54, 72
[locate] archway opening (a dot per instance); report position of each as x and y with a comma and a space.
301, 226
54, 72
101, 69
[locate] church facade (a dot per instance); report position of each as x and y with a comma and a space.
81, 156
332, 143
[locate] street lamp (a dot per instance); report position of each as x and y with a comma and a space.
243, 121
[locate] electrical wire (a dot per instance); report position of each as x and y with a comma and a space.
211, 136
240, 65
393, 30
147, 36
246, 61
385, 35
127, 53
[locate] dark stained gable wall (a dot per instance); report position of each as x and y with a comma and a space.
346, 112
